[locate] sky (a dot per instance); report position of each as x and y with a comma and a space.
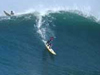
89, 6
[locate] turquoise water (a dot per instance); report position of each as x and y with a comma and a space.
77, 44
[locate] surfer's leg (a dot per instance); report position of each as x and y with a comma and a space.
48, 42
49, 45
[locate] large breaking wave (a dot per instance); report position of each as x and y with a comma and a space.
77, 44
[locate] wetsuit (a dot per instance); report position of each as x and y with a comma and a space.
49, 41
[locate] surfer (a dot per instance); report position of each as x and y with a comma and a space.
49, 41
12, 13
48, 45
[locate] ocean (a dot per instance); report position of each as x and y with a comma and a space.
76, 42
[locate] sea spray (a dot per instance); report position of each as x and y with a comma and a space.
43, 28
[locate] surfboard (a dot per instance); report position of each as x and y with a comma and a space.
50, 50
7, 14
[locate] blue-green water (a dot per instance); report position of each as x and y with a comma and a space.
77, 44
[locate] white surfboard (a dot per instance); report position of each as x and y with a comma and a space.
7, 14
50, 50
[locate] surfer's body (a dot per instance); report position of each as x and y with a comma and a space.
12, 13
49, 42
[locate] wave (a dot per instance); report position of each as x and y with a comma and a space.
76, 43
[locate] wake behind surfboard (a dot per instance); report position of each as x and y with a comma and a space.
50, 49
